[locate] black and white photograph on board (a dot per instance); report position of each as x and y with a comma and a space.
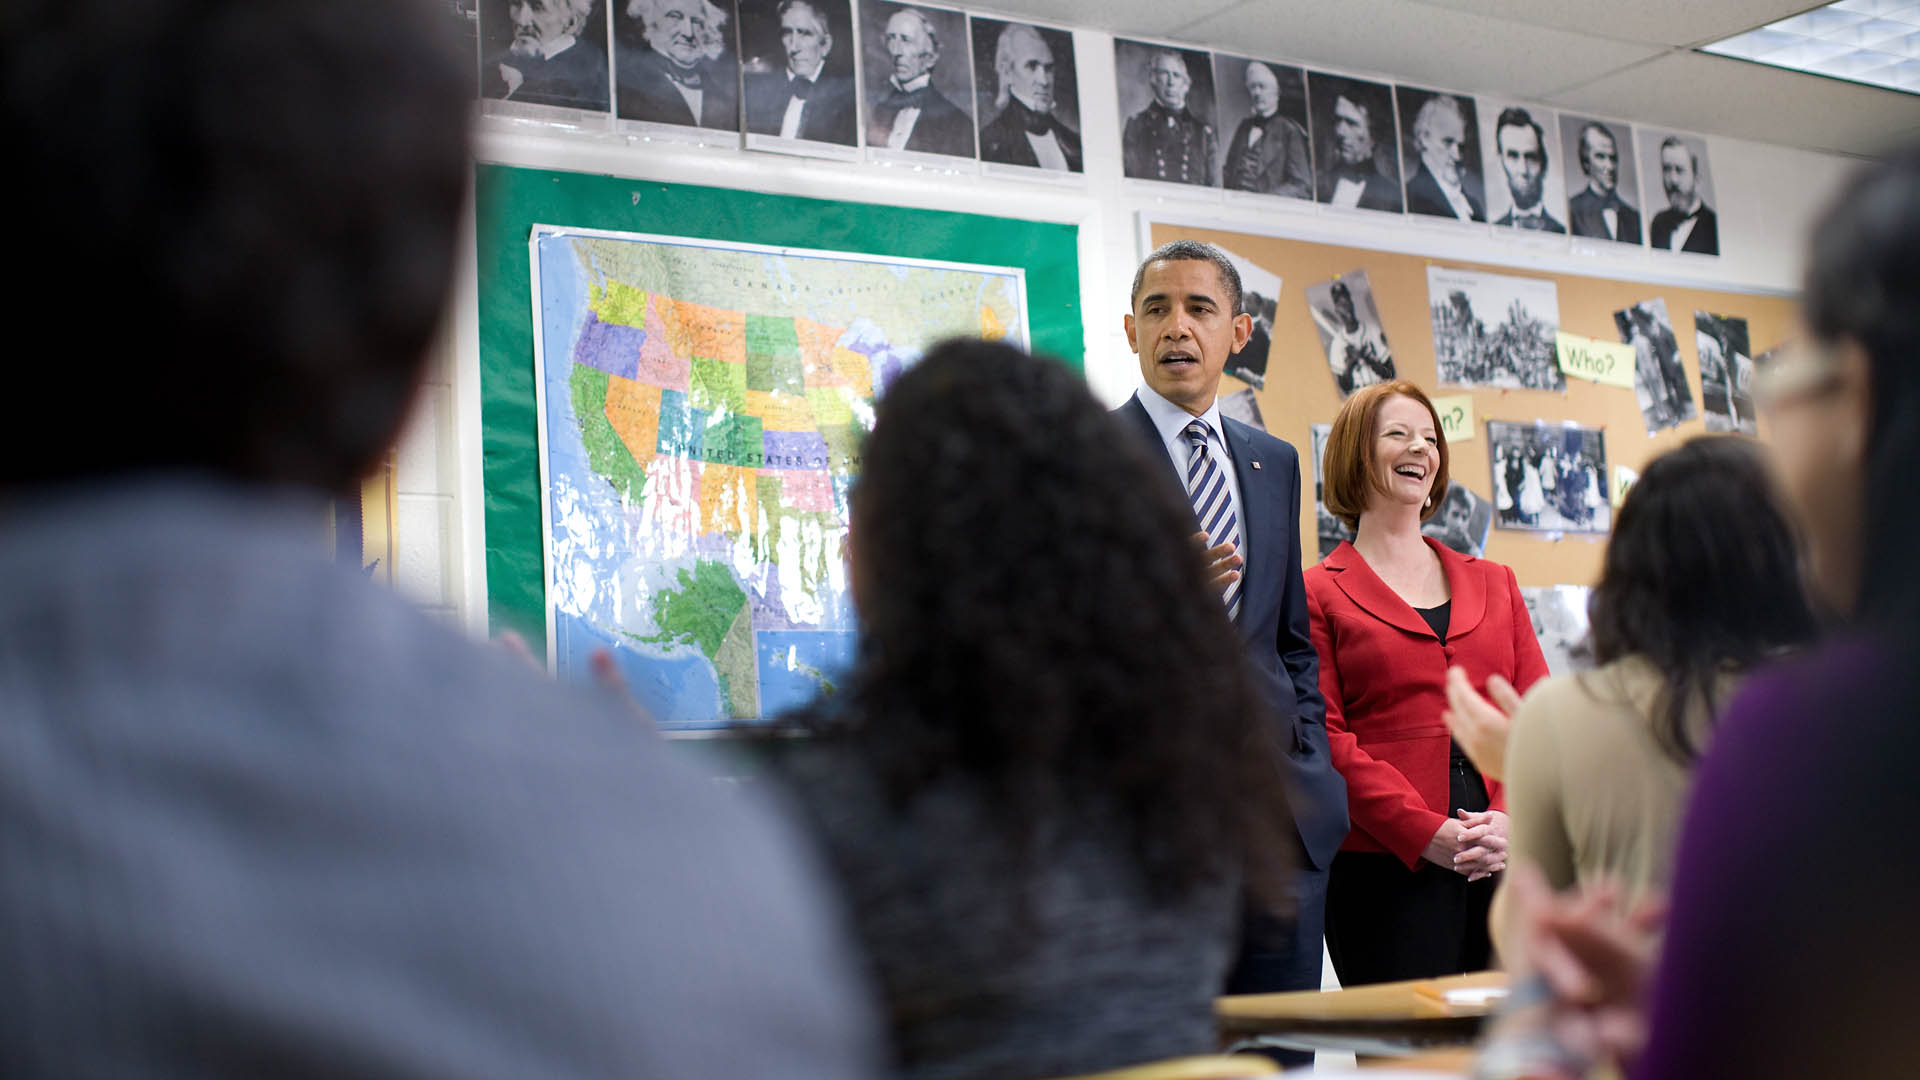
1354, 141
1331, 529
1170, 131
1263, 113
1549, 478
1026, 95
919, 79
1495, 331
799, 62
675, 63
545, 52
1440, 144
1677, 168
1462, 522
1241, 405
1259, 299
1726, 373
1603, 187
1559, 614
1526, 188
1349, 323
1659, 378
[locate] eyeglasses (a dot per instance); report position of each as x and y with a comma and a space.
1794, 370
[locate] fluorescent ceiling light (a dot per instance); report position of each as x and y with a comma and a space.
1876, 42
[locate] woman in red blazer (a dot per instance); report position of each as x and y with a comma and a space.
1391, 612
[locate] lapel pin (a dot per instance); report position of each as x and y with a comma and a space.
1256, 464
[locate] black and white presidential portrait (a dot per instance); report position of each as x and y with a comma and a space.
1331, 529
1026, 95
799, 61
675, 62
1495, 331
1549, 478
1440, 143
1525, 188
1353, 143
919, 82
1260, 301
1659, 378
1463, 521
1349, 323
1559, 616
1726, 372
1603, 188
1166, 96
1677, 168
545, 52
1263, 110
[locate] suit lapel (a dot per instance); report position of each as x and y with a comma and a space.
1365, 588
1256, 503
1137, 413
1463, 581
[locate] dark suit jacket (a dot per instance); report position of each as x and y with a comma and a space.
576, 78
1704, 239
1277, 165
1005, 139
941, 129
829, 115
646, 93
1383, 674
1273, 623
1380, 194
1425, 195
1584, 210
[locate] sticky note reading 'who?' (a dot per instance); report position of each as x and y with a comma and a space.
1606, 362
1456, 416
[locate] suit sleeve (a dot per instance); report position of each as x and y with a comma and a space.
1295, 177
1380, 799
1295, 643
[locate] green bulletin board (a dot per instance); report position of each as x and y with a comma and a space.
510, 201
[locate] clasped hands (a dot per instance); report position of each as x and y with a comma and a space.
1473, 844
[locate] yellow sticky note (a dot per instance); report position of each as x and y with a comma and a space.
1623, 479
1605, 362
1456, 416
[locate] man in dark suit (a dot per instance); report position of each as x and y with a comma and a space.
261, 816
547, 63
1522, 147
1165, 141
1353, 177
1026, 132
1445, 186
1185, 322
1598, 210
1268, 152
1688, 223
910, 114
673, 80
803, 101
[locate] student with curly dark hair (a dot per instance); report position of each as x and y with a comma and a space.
1043, 778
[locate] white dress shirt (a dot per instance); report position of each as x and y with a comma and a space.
1171, 422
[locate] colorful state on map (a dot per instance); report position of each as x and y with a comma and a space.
704, 410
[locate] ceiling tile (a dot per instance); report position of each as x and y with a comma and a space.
1711, 94
1659, 22
1417, 43
1125, 18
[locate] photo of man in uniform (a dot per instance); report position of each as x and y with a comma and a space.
906, 111
1170, 139
668, 77
801, 99
554, 57
1030, 82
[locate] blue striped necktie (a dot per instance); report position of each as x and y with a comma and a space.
1212, 503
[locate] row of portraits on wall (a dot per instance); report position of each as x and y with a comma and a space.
911, 79
1217, 120
806, 76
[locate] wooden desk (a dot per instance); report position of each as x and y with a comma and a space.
1393, 1019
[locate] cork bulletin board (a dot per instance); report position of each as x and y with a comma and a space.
1299, 390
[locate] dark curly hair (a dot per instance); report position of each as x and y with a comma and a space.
1702, 576
1036, 619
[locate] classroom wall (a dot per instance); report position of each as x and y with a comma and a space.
1767, 197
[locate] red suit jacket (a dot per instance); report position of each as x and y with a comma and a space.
1383, 674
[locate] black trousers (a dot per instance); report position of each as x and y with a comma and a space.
1386, 923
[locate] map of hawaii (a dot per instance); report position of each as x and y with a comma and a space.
704, 408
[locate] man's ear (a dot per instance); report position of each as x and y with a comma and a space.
1242, 330
1132, 343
